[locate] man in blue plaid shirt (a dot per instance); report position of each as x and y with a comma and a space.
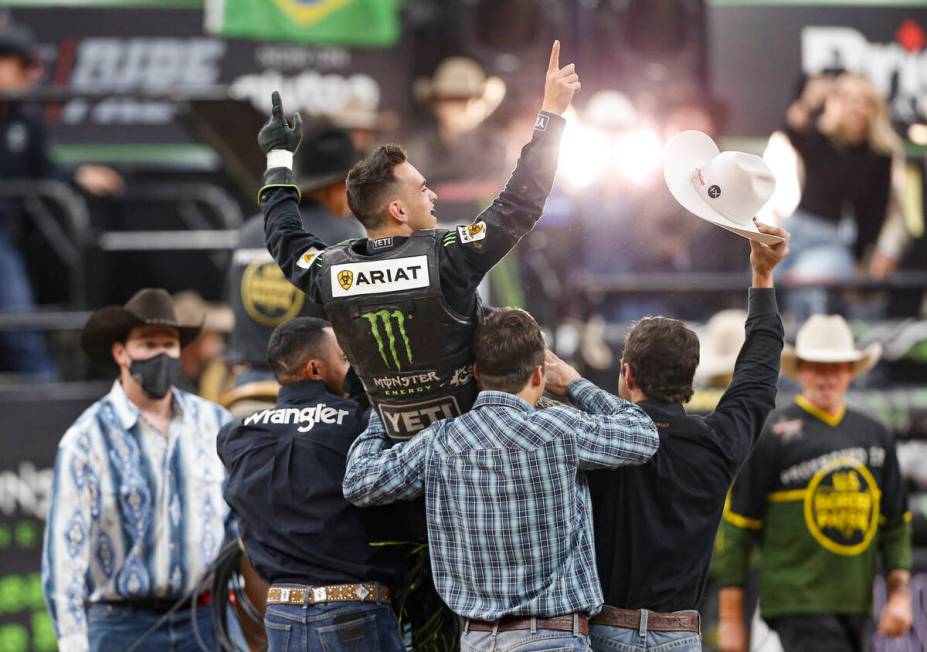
509, 514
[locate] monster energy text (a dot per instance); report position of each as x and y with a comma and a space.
391, 323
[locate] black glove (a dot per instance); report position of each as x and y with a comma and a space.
276, 133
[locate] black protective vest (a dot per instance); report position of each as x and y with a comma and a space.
410, 348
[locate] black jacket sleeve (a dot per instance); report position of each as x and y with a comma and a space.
745, 513
297, 252
739, 417
472, 250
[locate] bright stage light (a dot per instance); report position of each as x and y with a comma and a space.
587, 154
638, 155
584, 154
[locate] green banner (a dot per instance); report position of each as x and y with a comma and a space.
356, 23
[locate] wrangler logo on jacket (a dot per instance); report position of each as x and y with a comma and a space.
306, 418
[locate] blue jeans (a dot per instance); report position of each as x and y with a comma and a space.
819, 251
333, 627
117, 627
523, 641
21, 351
606, 638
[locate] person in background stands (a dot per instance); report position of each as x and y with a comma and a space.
24, 155
202, 369
840, 179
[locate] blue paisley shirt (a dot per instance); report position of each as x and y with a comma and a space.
135, 513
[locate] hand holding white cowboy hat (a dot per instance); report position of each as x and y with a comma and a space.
827, 338
725, 188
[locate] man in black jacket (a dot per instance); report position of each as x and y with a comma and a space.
403, 302
655, 524
285, 468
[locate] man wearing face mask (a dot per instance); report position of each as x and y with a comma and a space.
136, 510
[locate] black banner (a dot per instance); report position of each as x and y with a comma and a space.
32, 422
127, 68
759, 50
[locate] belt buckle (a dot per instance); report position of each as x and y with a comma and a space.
319, 594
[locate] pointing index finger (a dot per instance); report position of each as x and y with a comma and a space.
277, 105
554, 64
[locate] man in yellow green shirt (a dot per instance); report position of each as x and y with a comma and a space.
821, 495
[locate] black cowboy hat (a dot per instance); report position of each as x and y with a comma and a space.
151, 306
324, 157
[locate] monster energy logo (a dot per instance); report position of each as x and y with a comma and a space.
386, 317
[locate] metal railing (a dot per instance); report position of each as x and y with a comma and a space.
672, 283
209, 214
61, 216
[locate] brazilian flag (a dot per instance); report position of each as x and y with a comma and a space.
353, 23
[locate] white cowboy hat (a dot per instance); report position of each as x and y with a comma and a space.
827, 338
360, 113
727, 189
461, 78
720, 344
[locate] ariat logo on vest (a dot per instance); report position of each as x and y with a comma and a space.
388, 328
346, 279
380, 276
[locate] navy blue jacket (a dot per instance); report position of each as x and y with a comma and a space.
285, 467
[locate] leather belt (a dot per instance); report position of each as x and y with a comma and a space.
657, 622
160, 605
511, 623
300, 595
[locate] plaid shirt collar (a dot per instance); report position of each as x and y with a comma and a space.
502, 399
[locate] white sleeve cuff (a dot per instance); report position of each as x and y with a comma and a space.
73, 643
279, 158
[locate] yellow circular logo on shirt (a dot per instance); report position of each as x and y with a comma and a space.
267, 296
842, 507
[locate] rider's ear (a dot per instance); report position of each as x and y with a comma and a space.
396, 210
